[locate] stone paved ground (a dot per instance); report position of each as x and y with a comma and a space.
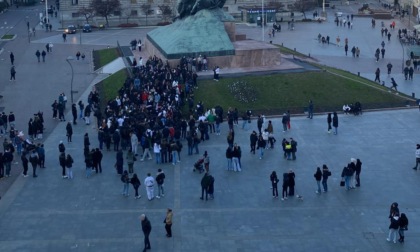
51, 214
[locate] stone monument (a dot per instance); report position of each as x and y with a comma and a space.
203, 28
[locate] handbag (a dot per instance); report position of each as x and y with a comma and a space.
342, 183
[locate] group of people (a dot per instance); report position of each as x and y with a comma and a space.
350, 175
398, 224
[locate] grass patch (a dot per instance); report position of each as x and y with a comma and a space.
104, 56
281, 92
109, 87
285, 50
8, 36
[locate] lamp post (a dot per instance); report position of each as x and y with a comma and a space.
262, 19
72, 75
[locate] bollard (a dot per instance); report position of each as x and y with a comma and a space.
358, 74
413, 95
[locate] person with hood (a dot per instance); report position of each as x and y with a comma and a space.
274, 181
318, 177
147, 228
403, 226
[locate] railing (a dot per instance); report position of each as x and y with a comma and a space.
126, 59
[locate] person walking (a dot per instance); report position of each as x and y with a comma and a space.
135, 181
261, 146
377, 74
417, 156
160, 179
149, 181
274, 181
168, 223
389, 67
318, 177
325, 174
38, 55
12, 73
43, 54
69, 130
126, 181
335, 123
147, 228
329, 120
64, 37
403, 226
69, 164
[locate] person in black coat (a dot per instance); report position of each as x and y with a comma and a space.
335, 123
86, 141
291, 183
358, 171
74, 113
403, 223
325, 174
253, 138
318, 177
147, 228
274, 181
329, 120
69, 130
62, 161
285, 186
25, 162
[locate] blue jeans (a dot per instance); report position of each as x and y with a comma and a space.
161, 192
174, 159
236, 166
318, 183
190, 149
261, 152
336, 130
347, 182
244, 124
88, 171
229, 167
157, 158
81, 114
125, 189
196, 148
325, 185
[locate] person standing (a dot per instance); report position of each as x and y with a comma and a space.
261, 146
345, 176
69, 130
229, 156
7, 161
74, 113
25, 162
393, 228
34, 162
318, 177
62, 161
325, 174
335, 122
310, 109
417, 156
377, 75
160, 179
147, 228
134, 143
149, 181
126, 181
236, 153
168, 223
293, 150
13, 73
285, 186
358, 171
253, 138
389, 67
274, 181
12, 58
135, 181
38, 55
291, 183
41, 155
329, 120
205, 181
119, 162
81, 109
403, 226
69, 164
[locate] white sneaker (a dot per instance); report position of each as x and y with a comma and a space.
282, 198
158, 197
388, 239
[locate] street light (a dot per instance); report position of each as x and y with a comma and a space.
72, 75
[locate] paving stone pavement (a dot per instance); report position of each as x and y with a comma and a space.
52, 214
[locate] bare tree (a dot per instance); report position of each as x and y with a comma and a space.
304, 5
146, 8
166, 11
87, 12
127, 14
104, 8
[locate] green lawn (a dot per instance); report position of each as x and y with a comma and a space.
7, 36
281, 92
109, 87
104, 56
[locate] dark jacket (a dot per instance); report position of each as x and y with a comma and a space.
160, 178
205, 181
146, 226
335, 120
394, 223
318, 174
273, 178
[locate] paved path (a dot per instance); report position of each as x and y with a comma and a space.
52, 214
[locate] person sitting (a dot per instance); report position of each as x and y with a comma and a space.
346, 109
